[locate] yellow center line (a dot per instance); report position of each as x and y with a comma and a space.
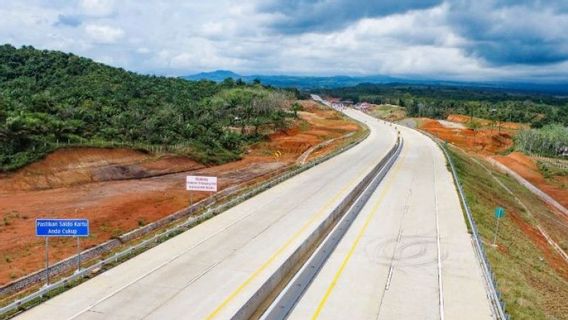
281, 250
362, 231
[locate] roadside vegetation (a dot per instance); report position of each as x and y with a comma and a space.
550, 141
532, 277
50, 100
552, 167
388, 112
440, 101
541, 120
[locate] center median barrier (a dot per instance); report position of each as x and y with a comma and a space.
264, 296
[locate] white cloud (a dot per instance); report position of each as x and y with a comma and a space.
97, 8
104, 34
181, 37
143, 50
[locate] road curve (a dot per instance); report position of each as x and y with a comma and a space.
209, 271
407, 255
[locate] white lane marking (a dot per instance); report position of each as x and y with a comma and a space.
175, 258
153, 270
395, 250
394, 257
86, 309
441, 287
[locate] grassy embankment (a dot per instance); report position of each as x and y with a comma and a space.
388, 112
532, 277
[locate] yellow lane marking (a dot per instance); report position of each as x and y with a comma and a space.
281, 250
362, 231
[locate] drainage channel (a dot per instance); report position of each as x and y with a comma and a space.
289, 296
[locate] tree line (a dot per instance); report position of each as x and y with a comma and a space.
546, 114
50, 99
535, 109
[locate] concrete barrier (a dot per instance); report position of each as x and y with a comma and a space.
268, 291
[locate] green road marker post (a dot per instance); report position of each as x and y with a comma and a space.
499, 214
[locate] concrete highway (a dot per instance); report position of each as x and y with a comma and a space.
209, 271
407, 255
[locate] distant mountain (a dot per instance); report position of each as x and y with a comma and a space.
216, 76
331, 82
301, 82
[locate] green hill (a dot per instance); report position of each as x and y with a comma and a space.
51, 99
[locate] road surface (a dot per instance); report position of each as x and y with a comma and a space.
407, 255
209, 271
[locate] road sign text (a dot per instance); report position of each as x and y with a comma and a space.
62, 227
199, 183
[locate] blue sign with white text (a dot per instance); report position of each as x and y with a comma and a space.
62, 227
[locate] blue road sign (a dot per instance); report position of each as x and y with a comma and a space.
62, 227
499, 212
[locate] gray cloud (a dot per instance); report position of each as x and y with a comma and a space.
513, 32
299, 16
68, 20
454, 39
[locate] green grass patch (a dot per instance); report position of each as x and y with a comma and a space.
532, 283
304, 126
550, 169
388, 112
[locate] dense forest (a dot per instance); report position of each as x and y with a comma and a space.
440, 101
51, 99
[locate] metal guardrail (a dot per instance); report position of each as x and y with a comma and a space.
494, 295
190, 222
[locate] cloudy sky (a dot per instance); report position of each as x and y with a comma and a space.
454, 39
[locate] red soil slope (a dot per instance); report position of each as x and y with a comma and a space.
482, 141
486, 123
119, 190
490, 142
527, 168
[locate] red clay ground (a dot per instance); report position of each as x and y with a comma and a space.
119, 190
482, 141
486, 123
490, 142
526, 167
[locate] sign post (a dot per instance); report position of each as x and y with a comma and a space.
499, 213
46, 261
61, 228
78, 254
200, 183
